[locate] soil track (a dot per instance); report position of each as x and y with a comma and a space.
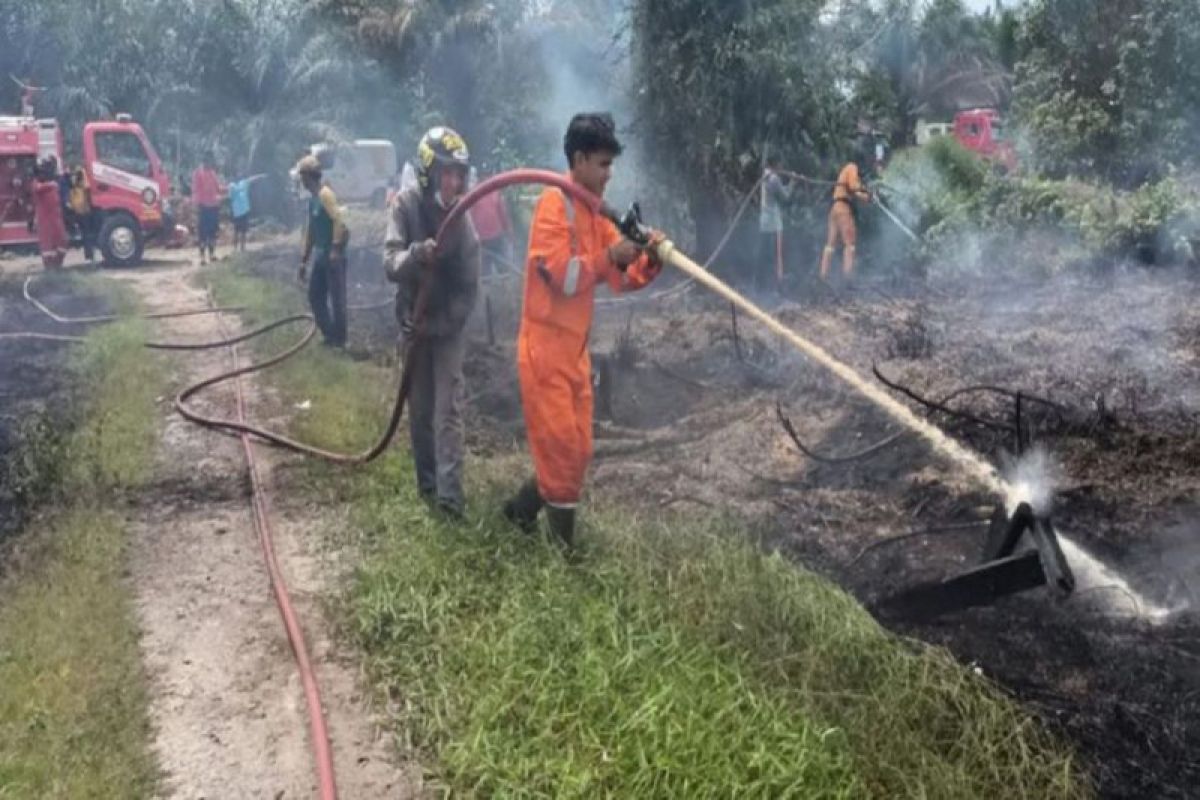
226, 698
686, 418
228, 705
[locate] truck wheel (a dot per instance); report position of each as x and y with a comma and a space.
121, 241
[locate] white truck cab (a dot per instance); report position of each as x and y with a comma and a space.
361, 171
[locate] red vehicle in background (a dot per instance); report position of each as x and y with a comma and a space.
129, 185
982, 131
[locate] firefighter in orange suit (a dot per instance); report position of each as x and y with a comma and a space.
571, 251
848, 190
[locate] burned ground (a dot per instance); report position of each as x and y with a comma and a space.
1109, 370
34, 393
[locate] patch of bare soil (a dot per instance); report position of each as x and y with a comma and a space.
226, 697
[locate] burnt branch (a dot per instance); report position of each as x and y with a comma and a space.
1010, 393
786, 422
670, 373
935, 405
737, 338
902, 537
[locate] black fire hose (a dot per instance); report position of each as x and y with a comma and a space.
412, 344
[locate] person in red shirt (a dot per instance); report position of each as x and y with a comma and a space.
494, 229
206, 194
571, 251
47, 206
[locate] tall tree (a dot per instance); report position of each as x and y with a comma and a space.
909, 60
720, 84
1110, 85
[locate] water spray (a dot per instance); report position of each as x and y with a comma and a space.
1020, 511
896, 220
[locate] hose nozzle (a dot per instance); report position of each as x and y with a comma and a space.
630, 223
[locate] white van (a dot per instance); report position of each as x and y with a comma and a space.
928, 131
361, 171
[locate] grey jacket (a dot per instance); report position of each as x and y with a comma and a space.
455, 275
774, 195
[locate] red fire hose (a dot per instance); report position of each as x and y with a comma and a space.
493, 184
322, 752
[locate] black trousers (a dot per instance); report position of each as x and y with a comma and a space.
89, 229
327, 297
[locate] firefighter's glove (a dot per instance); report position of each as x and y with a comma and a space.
424, 253
656, 238
623, 253
408, 328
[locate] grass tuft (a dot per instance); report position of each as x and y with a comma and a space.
72, 712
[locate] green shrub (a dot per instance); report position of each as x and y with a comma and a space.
972, 219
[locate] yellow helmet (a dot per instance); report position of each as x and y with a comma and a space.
440, 146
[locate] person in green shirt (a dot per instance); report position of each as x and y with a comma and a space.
325, 240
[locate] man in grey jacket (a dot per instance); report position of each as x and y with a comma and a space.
411, 256
775, 192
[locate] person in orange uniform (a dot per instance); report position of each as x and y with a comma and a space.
848, 190
571, 252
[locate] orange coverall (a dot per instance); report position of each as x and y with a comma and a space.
568, 258
849, 188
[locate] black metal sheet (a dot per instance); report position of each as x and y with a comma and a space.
979, 586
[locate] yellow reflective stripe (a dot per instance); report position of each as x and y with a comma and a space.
571, 222
571, 284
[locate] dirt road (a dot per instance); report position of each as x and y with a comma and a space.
227, 701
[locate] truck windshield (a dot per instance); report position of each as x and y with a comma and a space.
123, 151
999, 133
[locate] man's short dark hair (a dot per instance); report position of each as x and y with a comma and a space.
591, 133
772, 161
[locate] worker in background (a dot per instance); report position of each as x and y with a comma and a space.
64, 194
47, 206
206, 196
571, 251
411, 257
239, 210
325, 241
847, 192
494, 228
29, 94
83, 215
774, 193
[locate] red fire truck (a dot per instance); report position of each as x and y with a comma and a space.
128, 182
981, 130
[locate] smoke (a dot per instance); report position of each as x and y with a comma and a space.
588, 69
1033, 478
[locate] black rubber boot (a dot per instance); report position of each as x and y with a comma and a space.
562, 524
522, 510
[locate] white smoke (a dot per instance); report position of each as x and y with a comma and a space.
1033, 478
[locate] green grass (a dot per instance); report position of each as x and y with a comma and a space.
317, 375
73, 721
72, 711
671, 659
